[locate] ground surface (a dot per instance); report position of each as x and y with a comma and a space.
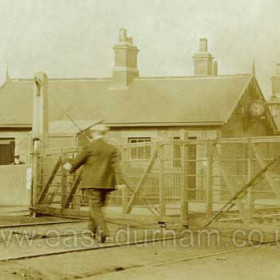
188, 257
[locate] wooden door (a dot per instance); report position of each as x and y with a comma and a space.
7, 151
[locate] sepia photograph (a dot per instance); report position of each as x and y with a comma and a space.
139, 139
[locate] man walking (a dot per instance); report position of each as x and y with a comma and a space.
101, 175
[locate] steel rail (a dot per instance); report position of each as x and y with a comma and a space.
40, 224
116, 245
93, 248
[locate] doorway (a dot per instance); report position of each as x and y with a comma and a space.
7, 150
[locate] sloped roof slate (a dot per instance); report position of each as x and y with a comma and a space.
147, 101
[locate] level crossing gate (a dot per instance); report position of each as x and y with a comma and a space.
187, 181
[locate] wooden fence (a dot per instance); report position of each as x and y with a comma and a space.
185, 180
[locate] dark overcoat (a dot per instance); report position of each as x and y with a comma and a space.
101, 166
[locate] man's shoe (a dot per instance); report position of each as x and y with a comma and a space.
103, 239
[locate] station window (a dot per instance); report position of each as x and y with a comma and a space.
141, 152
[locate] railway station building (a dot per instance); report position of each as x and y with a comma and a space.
138, 109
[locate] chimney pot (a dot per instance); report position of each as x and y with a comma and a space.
277, 69
203, 45
122, 35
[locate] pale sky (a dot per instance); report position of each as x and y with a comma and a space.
74, 38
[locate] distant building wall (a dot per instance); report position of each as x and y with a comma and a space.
118, 136
61, 141
22, 142
13, 185
235, 127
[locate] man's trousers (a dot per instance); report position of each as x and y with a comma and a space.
97, 199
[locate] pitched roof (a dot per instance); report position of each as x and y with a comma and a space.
147, 101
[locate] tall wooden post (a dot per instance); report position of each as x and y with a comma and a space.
63, 187
249, 177
40, 129
209, 184
184, 187
162, 194
124, 200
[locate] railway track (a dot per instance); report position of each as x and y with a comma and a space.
38, 234
170, 262
112, 245
96, 247
39, 224
41, 239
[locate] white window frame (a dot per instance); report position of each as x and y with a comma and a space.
140, 153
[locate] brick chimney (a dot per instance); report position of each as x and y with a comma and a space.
276, 82
274, 101
203, 60
125, 69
